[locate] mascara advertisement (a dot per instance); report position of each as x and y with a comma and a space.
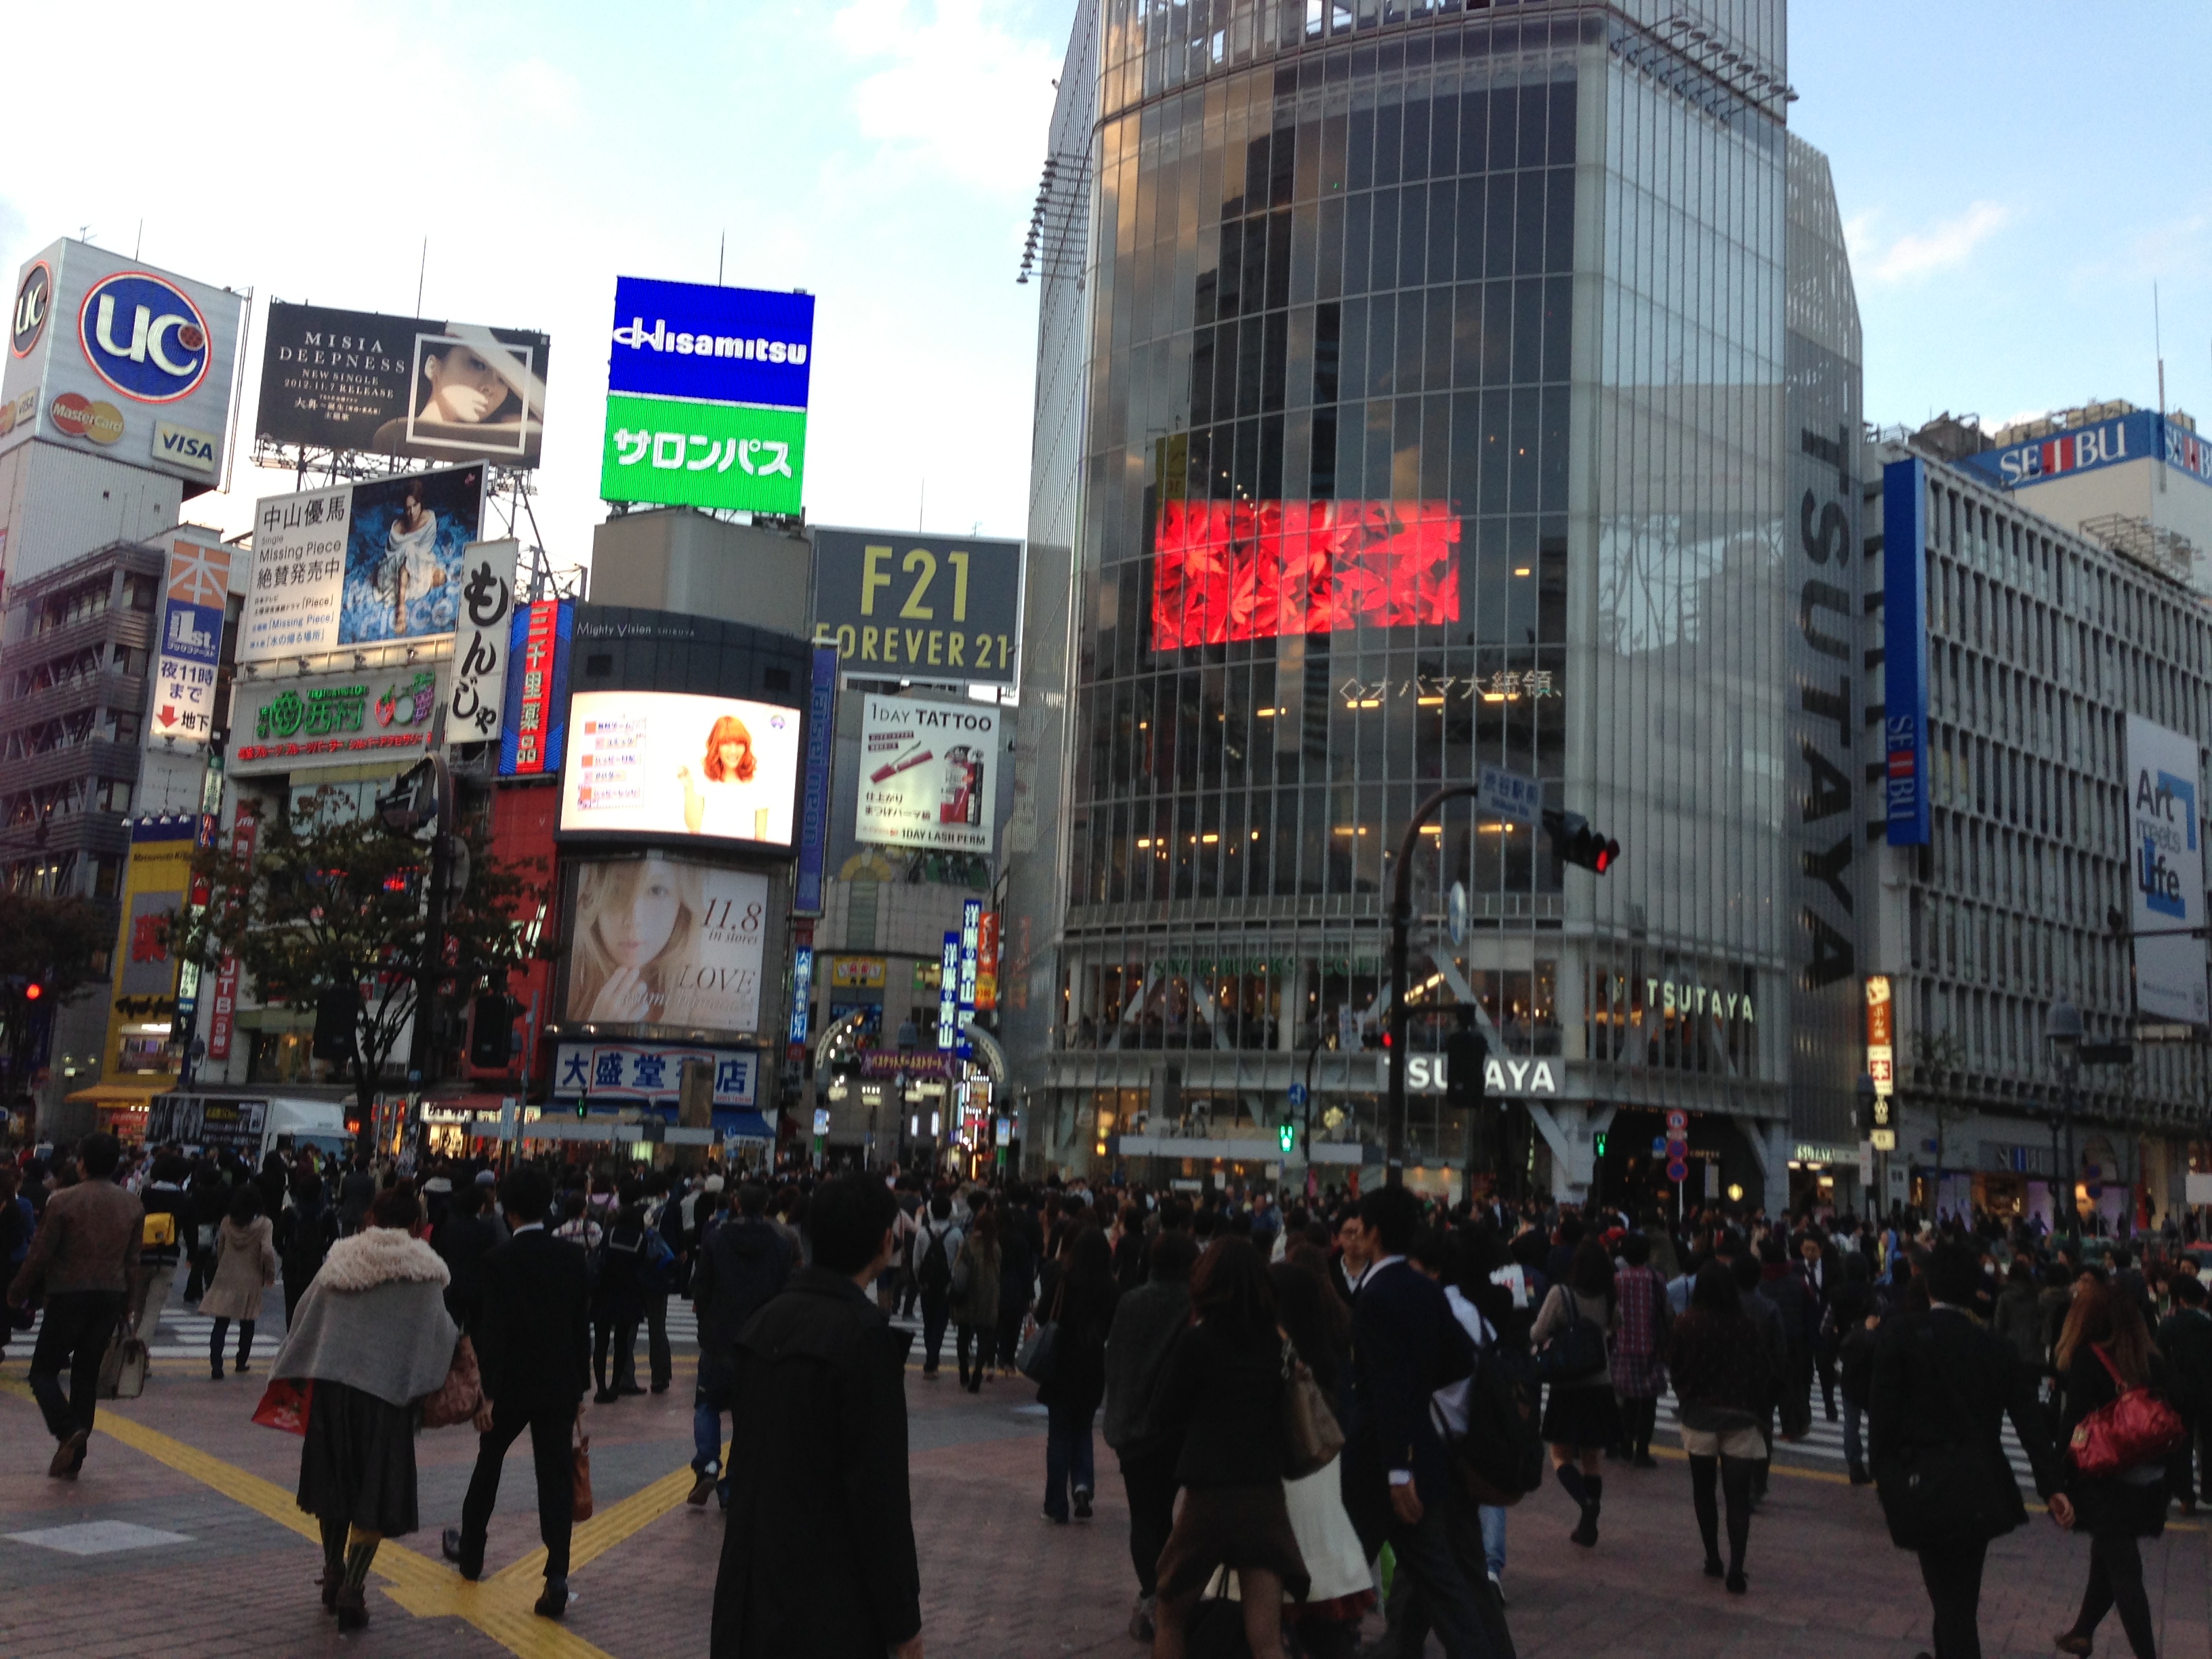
927, 770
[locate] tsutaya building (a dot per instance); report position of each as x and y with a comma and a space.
1419, 392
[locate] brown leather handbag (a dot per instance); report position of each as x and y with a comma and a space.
459, 1395
1311, 1435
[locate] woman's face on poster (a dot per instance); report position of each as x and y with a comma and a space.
636, 932
463, 388
731, 754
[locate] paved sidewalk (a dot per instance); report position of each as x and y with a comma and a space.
231, 1568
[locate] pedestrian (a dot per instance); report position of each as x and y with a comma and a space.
1723, 1380
1581, 1417
2185, 1337
356, 1192
1639, 1348
656, 1277
207, 1197
1082, 1304
306, 1230
975, 1297
936, 1247
2019, 1318
244, 1267
463, 1240
1148, 1322
1852, 1313
532, 1335
1018, 1272
1815, 1271
1943, 1386
2103, 1350
1222, 1395
818, 1557
84, 1260
374, 1338
1397, 1481
743, 1265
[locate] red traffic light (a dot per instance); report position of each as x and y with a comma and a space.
1606, 851
33, 991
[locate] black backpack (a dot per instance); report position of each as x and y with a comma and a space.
1500, 1458
934, 1274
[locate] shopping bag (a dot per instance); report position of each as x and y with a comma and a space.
579, 1459
284, 1405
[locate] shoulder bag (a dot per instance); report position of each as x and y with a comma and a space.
1037, 1355
1311, 1435
1575, 1354
457, 1397
2126, 1432
580, 1471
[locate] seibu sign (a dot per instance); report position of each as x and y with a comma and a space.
1502, 1074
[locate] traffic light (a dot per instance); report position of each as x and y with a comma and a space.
1574, 841
1466, 1058
490, 1032
1286, 1134
34, 992
1597, 1143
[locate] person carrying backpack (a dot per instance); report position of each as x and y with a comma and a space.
936, 1247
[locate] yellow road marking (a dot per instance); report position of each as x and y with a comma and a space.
500, 1606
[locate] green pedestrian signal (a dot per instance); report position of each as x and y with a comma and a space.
1287, 1134
1600, 1142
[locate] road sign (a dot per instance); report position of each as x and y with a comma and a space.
1678, 1123
1658, 1147
1503, 795
1677, 1170
1884, 1140
1298, 1094
1455, 914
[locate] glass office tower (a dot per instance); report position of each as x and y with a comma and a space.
1433, 368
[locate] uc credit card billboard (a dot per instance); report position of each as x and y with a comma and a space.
707, 390
122, 358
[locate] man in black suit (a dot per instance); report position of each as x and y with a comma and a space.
1405, 1345
1943, 1387
533, 1342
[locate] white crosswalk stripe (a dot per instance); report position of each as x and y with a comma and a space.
1825, 1440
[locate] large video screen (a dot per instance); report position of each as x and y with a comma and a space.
663, 941
1258, 570
663, 763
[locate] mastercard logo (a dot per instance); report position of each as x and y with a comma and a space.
75, 416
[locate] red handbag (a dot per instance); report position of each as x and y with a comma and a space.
284, 1405
2127, 1432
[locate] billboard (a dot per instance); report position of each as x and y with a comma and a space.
625, 1073
1261, 570
286, 726
667, 763
2167, 856
402, 385
1905, 790
707, 390
191, 643
929, 607
131, 362
535, 731
664, 941
480, 653
927, 770
361, 563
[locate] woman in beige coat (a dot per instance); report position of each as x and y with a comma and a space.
246, 1266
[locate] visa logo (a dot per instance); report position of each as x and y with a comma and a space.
185, 445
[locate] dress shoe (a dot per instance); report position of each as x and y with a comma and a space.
450, 1542
554, 1602
702, 1483
69, 1456
604, 1397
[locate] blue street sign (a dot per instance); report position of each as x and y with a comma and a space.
1678, 1170
1658, 1146
1298, 1094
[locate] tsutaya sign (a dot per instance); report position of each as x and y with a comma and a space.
1502, 1074
1668, 996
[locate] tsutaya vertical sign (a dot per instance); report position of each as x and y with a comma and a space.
2166, 860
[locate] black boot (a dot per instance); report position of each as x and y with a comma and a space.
1586, 1533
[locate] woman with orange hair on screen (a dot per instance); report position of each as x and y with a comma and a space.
720, 807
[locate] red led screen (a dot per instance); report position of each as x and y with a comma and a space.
1254, 570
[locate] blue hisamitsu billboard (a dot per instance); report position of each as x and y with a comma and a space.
706, 344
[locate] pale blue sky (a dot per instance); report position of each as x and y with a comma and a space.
2016, 175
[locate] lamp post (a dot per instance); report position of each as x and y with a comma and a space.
1401, 913
2062, 1029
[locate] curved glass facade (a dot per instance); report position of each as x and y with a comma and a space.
1434, 420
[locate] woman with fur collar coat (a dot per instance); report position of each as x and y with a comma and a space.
373, 1336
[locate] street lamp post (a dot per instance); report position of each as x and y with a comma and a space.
2062, 1029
